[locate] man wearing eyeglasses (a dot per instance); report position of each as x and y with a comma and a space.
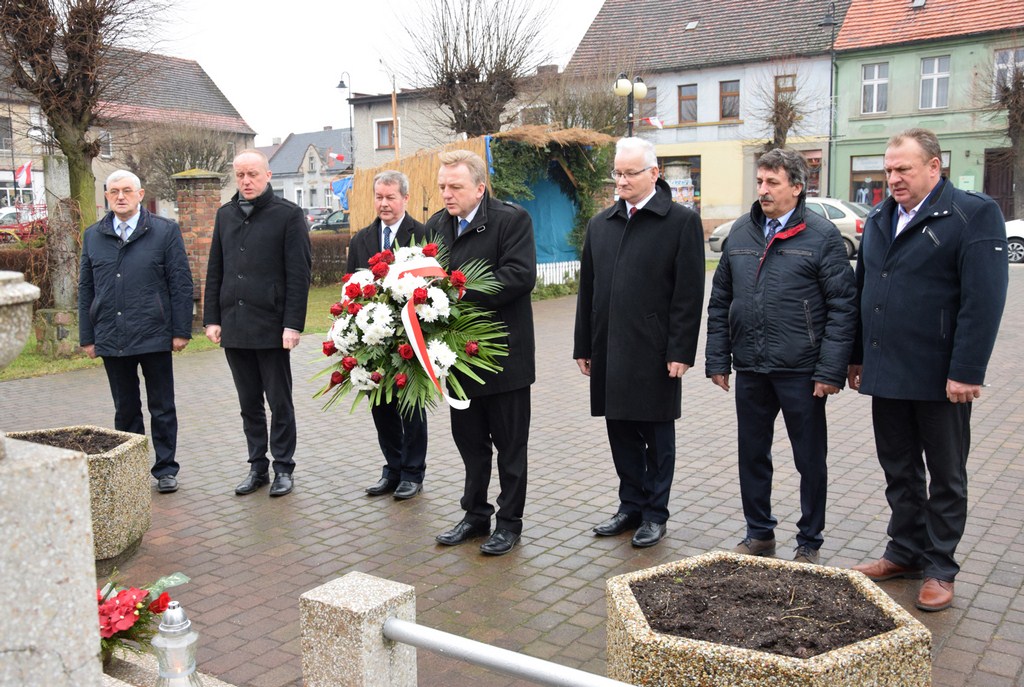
134, 308
637, 320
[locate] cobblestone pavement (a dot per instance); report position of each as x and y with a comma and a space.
251, 557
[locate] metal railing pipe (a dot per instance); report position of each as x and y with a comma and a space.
493, 658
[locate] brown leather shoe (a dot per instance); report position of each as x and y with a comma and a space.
884, 569
935, 595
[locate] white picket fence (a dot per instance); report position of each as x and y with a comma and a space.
557, 272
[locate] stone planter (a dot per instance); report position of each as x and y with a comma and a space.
120, 496
641, 656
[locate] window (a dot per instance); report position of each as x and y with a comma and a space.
648, 106
298, 197
312, 163
729, 99
934, 82
312, 197
874, 88
688, 104
230, 148
785, 86
6, 134
1008, 63
106, 145
385, 131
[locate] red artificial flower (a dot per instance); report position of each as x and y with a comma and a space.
430, 250
348, 362
337, 309
472, 347
387, 256
369, 291
457, 278
353, 290
374, 259
401, 380
354, 308
330, 348
159, 604
337, 378
405, 350
419, 296
375, 377
380, 270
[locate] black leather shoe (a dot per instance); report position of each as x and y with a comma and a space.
461, 533
383, 486
617, 524
407, 489
253, 481
168, 484
501, 542
649, 534
282, 484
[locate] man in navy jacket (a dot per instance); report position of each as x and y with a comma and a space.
134, 308
932, 276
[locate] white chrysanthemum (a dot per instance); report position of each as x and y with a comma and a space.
401, 288
374, 320
439, 299
344, 335
406, 253
426, 312
361, 277
442, 357
360, 379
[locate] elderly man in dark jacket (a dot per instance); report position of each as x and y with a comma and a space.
932, 275
637, 322
257, 284
134, 308
475, 226
782, 313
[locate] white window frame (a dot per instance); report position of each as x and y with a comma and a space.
935, 77
298, 197
1012, 60
106, 140
876, 83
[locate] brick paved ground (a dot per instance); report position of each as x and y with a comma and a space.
251, 557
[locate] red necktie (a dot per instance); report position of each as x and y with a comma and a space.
632, 211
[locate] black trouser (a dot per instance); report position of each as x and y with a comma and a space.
759, 397
929, 513
158, 371
644, 454
258, 373
403, 441
498, 421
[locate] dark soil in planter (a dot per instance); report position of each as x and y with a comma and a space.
787, 612
88, 441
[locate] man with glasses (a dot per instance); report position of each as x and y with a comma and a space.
637, 321
932, 276
134, 308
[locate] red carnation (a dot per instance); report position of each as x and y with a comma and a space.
375, 377
348, 362
430, 250
337, 309
387, 256
419, 296
369, 291
337, 378
457, 278
353, 290
401, 380
380, 270
354, 308
330, 348
405, 350
160, 603
472, 347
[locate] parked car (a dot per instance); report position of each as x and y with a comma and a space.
1015, 239
336, 221
847, 216
315, 214
22, 223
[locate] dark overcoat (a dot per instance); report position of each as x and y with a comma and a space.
134, 296
501, 234
366, 243
257, 281
639, 306
932, 298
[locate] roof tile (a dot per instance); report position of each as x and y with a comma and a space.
876, 23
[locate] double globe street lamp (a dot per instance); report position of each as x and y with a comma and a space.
631, 91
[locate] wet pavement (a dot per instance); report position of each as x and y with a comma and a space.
251, 557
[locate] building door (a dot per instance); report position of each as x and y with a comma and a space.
999, 178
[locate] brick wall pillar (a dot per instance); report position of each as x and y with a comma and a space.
198, 197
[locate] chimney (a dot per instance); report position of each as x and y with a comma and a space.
275, 141
547, 70
327, 128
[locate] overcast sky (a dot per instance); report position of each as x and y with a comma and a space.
280, 67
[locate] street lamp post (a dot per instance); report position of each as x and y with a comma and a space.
351, 124
831, 21
630, 90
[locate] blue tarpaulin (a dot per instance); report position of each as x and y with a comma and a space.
340, 188
553, 214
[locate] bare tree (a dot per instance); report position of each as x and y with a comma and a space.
587, 102
1008, 87
473, 56
781, 102
171, 150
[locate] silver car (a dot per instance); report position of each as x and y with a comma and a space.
1015, 240
848, 218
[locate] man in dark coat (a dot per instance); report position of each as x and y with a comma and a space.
783, 313
134, 308
475, 226
932, 276
257, 285
403, 440
637, 321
